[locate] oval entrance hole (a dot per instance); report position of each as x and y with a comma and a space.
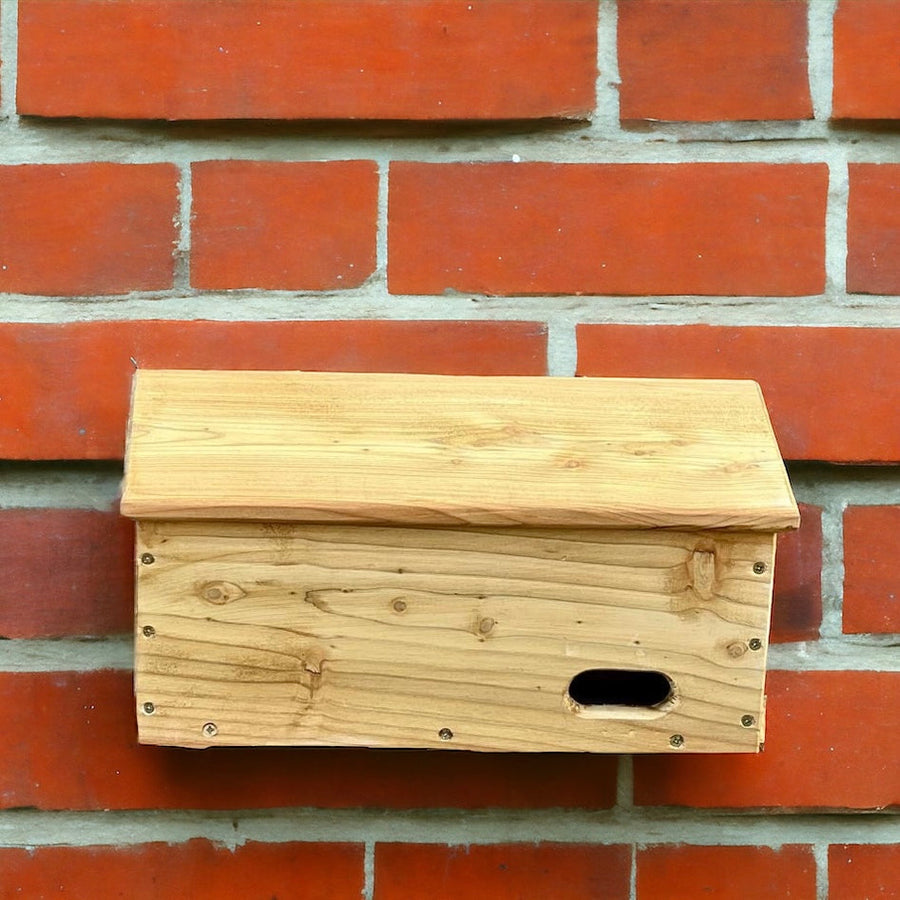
640, 689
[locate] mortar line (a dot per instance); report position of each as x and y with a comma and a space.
836, 222
184, 224
61, 142
381, 222
833, 568
562, 346
368, 889
632, 874
820, 855
9, 52
605, 121
371, 302
647, 826
819, 55
73, 485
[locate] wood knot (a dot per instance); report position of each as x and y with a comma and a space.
399, 605
486, 625
703, 573
220, 592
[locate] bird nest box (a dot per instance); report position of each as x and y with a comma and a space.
479, 563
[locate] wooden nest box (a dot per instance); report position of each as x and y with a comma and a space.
494, 563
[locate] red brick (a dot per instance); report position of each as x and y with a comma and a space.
833, 393
797, 600
65, 572
864, 872
320, 59
866, 67
873, 227
66, 387
501, 871
87, 228
547, 228
725, 873
197, 869
60, 723
680, 60
871, 569
283, 225
831, 742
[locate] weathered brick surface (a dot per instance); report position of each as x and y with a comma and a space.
87, 228
680, 872
864, 871
866, 75
544, 228
704, 62
65, 572
501, 871
873, 228
871, 569
797, 589
195, 868
283, 225
319, 59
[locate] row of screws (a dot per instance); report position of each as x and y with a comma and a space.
677, 740
210, 729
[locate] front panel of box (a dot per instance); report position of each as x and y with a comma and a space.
476, 638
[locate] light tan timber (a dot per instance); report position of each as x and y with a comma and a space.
251, 633
451, 451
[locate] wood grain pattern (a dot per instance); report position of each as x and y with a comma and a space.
385, 637
450, 451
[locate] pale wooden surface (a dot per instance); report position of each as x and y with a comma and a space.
382, 637
432, 450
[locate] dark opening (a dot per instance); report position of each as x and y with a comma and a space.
620, 687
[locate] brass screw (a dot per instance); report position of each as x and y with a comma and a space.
748, 721
148, 631
445, 734
755, 644
677, 740
210, 729
759, 568
148, 559
148, 708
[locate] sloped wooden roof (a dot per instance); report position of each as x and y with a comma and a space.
454, 451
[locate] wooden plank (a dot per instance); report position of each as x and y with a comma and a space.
432, 450
393, 637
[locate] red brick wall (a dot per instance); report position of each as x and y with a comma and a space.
561, 187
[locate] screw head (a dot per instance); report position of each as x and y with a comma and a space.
148, 559
759, 568
755, 644
399, 605
148, 708
210, 729
445, 734
148, 631
748, 721
677, 740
